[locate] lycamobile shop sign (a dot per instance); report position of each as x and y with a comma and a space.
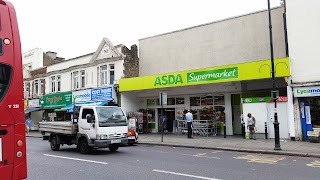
212, 75
306, 91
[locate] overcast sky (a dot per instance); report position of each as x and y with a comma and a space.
76, 27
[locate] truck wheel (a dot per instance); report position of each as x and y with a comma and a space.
54, 144
83, 146
113, 148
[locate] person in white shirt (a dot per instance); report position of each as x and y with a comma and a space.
251, 126
189, 118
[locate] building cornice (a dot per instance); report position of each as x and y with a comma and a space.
72, 68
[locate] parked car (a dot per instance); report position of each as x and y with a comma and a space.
132, 137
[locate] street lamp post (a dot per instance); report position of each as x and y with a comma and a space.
274, 91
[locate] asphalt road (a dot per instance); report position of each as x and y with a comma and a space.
143, 162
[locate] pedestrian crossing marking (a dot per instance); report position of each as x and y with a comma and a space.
315, 164
261, 159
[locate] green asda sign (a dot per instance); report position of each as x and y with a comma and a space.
197, 76
212, 75
58, 100
168, 80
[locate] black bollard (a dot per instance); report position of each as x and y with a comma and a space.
224, 130
243, 130
265, 130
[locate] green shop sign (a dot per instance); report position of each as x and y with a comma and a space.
196, 76
58, 100
254, 100
263, 99
212, 75
168, 80
151, 102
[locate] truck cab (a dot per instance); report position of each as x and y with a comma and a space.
102, 126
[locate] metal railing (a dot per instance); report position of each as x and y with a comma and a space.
200, 127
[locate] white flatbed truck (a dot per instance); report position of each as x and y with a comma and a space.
91, 127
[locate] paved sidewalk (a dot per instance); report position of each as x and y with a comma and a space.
231, 143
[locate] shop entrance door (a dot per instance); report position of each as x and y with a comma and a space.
236, 113
171, 115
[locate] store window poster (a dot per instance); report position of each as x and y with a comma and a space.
302, 109
308, 115
180, 113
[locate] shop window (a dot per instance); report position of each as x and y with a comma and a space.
36, 87
315, 111
219, 100
220, 114
103, 75
53, 84
58, 83
194, 101
76, 80
27, 89
60, 116
179, 100
151, 102
111, 73
171, 101
206, 100
83, 78
42, 86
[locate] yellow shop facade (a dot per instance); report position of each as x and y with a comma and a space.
213, 94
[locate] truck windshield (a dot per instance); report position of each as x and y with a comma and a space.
111, 116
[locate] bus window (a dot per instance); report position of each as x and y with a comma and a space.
1, 47
5, 77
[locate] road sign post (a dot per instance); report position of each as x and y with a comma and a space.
163, 101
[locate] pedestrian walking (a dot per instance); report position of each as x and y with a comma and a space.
28, 124
251, 126
164, 121
189, 118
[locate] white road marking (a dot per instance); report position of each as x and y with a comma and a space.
76, 159
203, 156
216, 151
186, 175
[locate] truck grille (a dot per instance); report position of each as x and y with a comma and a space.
112, 136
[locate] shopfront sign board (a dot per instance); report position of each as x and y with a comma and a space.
310, 91
228, 73
58, 100
163, 97
34, 103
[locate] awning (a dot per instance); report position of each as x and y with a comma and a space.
32, 109
59, 110
69, 108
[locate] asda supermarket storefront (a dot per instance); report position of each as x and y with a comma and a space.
213, 94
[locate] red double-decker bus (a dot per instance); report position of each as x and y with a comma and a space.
13, 164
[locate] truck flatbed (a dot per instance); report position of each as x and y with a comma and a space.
65, 127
